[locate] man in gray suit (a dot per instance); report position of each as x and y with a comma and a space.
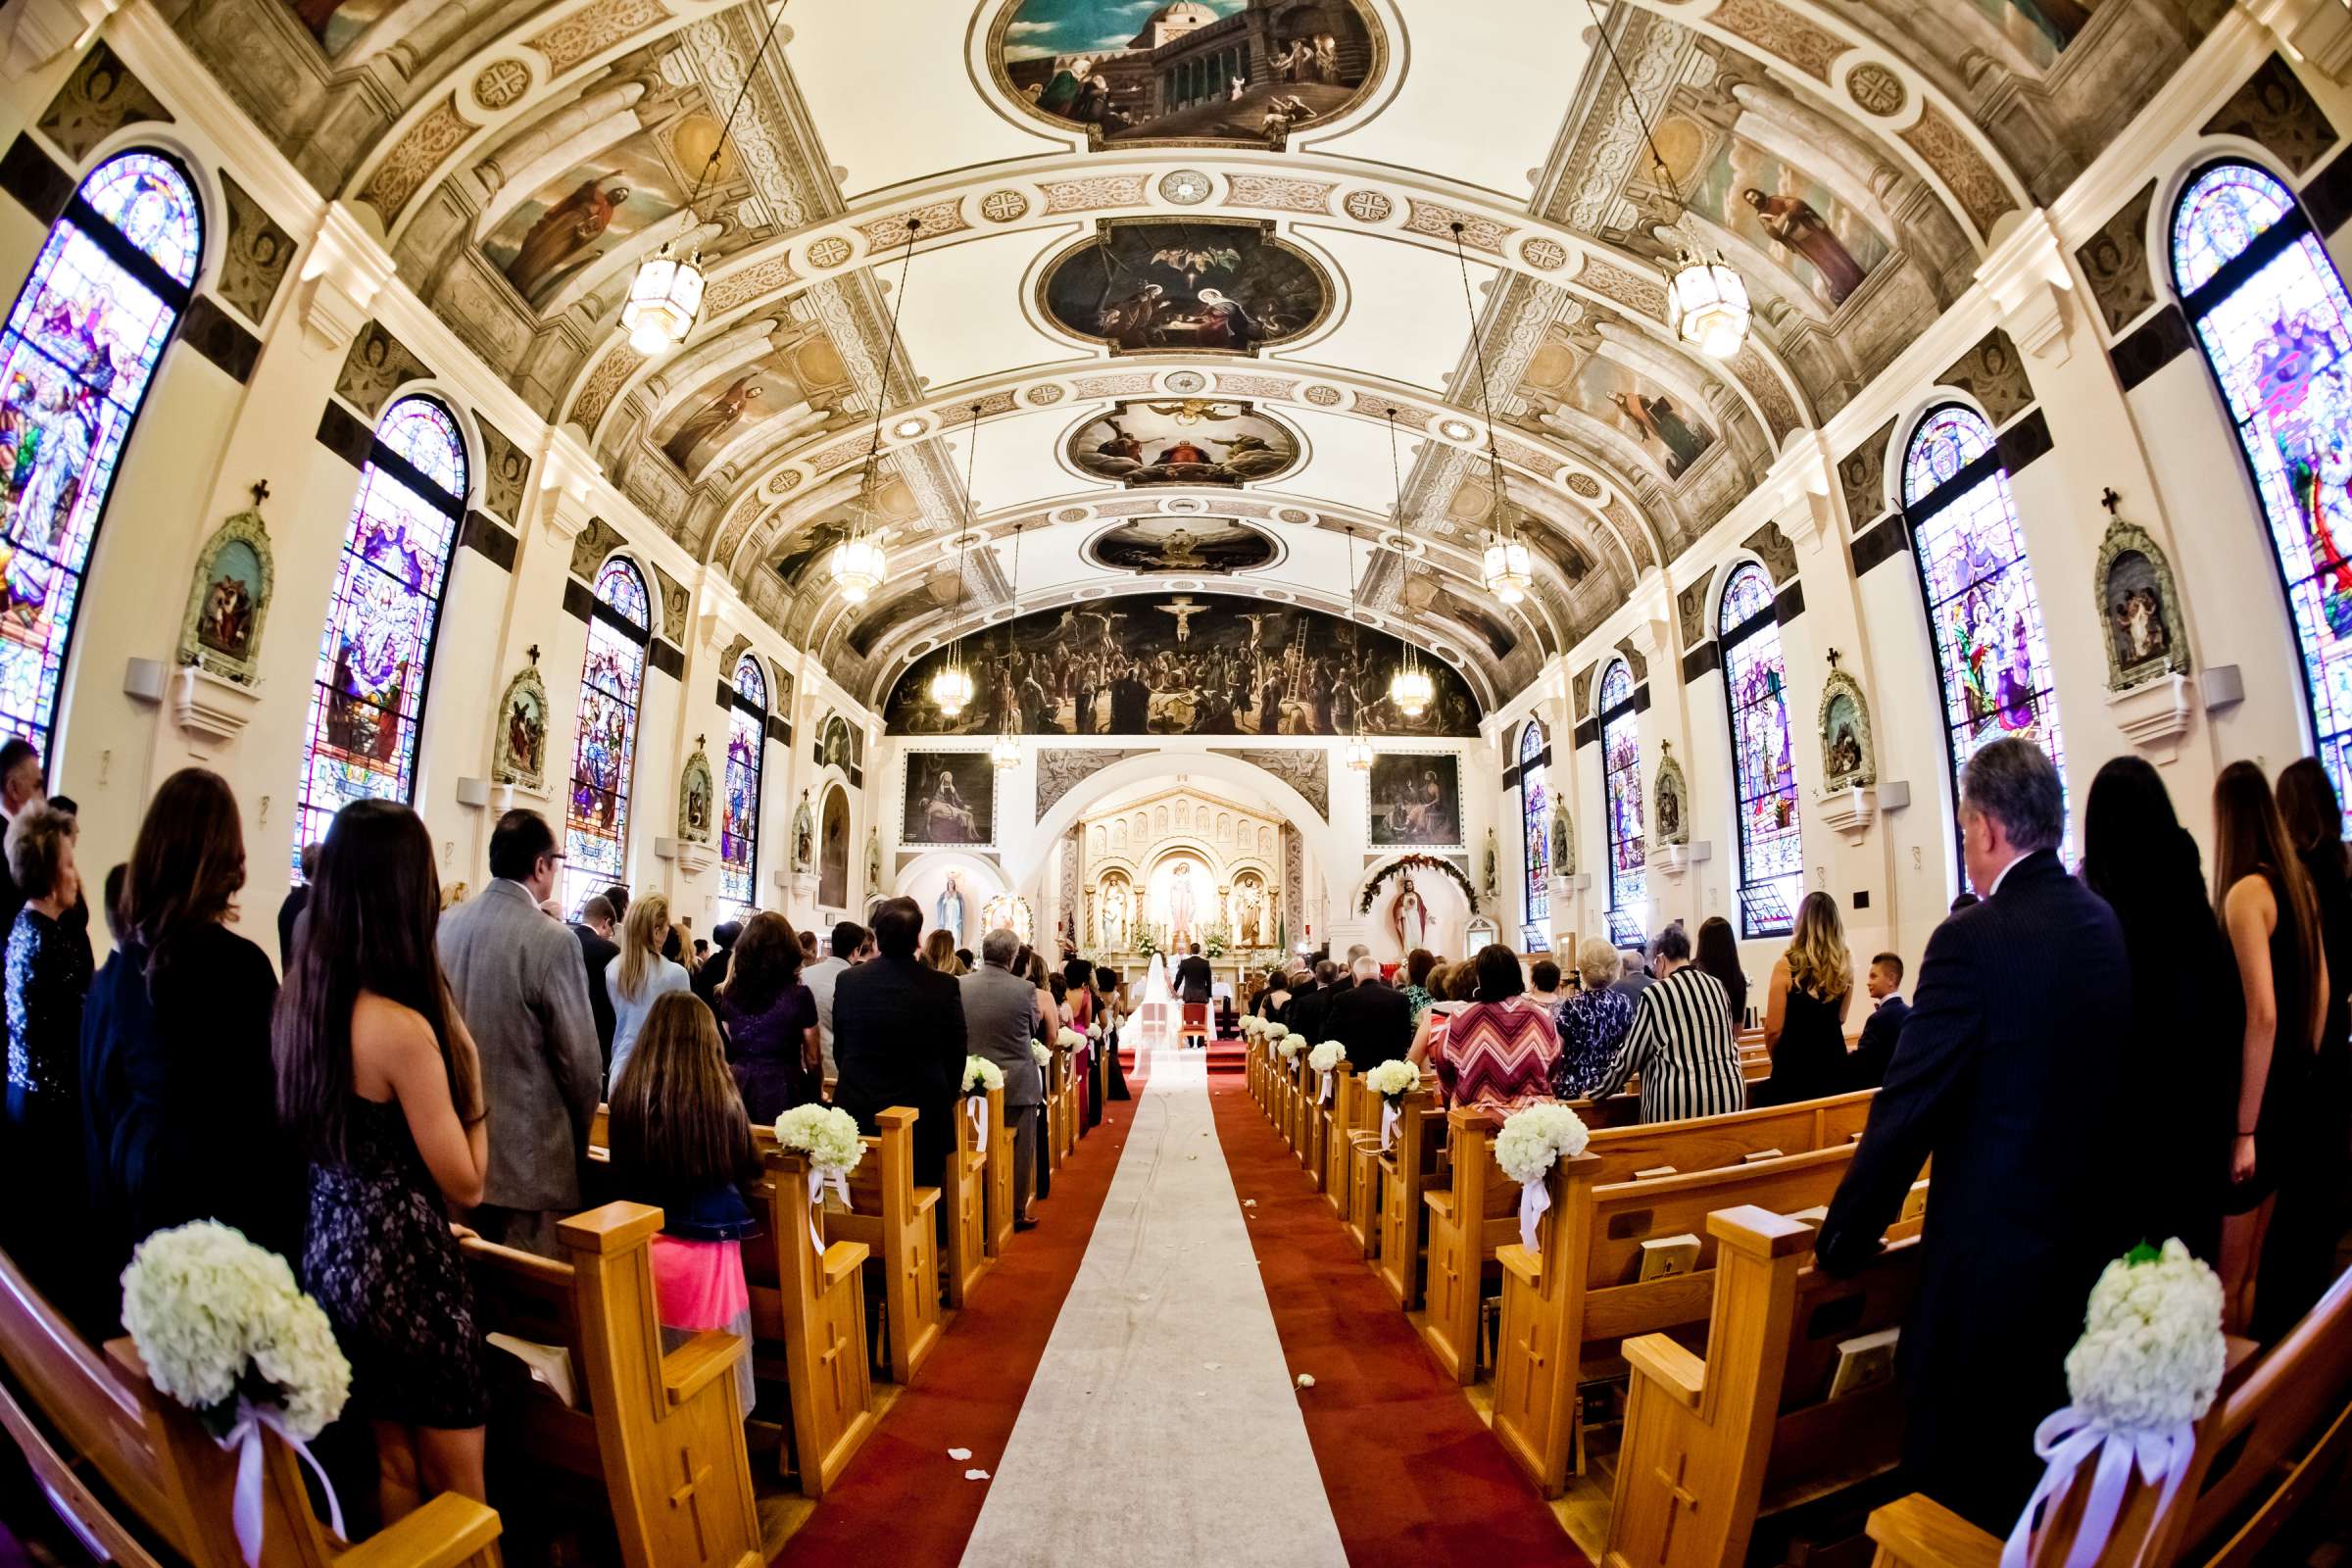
522, 989
1000, 1018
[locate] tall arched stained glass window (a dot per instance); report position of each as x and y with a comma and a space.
1535, 808
596, 824
1982, 609
377, 650
1772, 852
75, 360
739, 816
1621, 788
2275, 321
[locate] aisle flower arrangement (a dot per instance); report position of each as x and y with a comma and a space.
981, 1078
1289, 1044
829, 1138
2145, 1370
1391, 1080
1041, 1052
224, 1330
1532, 1140
1322, 1059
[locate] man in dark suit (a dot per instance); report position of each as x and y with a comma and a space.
713, 972
1194, 978
899, 1038
1866, 1068
1370, 1017
2005, 1072
1311, 1002
594, 928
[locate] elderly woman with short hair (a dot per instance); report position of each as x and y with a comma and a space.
48, 978
1591, 1022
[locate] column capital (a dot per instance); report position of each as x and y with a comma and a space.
47, 28
1801, 482
2320, 31
2028, 281
567, 472
345, 270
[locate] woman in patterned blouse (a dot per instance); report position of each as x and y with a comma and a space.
1591, 1022
1496, 1049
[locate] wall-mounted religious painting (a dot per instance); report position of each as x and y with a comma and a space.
1781, 210
1563, 836
1253, 71
1184, 441
2140, 608
1181, 665
833, 742
338, 24
951, 798
521, 757
1190, 545
735, 402
1415, 801
833, 850
695, 792
1670, 813
221, 630
1211, 285
1849, 758
1567, 373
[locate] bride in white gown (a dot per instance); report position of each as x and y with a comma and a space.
1155, 1014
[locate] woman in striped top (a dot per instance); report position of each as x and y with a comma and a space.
1681, 1041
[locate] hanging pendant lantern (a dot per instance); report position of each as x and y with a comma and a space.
1359, 754
1411, 690
1006, 752
858, 569
1706, 304
1509, 568
951, 689
664, 297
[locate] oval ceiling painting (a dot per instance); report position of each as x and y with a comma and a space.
1253, 72
1155, 546
1183, 441
1144, 286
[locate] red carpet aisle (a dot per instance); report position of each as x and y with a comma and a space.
903, 1501
1414, 1478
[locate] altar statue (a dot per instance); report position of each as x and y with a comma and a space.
948, 912
1114, 920
1409, 917
1180, 905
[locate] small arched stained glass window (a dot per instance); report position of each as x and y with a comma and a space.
1535, 808
596, 823
739, 811
1772, 852
1621, 789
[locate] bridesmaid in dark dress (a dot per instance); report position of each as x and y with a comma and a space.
378, 1077
2299, 1261
770, 1019
1811, 986
48, 979
2273, 921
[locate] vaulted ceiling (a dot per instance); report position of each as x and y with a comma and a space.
1145, 299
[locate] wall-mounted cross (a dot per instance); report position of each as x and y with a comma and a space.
1834, 656
2110, 500
533, 651
261, 491
698, 742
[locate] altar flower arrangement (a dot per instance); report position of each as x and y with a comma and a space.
2145, 1370
981, 1075
224, 1330
1041, 1052
1532, 1140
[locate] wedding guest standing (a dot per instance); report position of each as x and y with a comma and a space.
897, 1036
1679, 1041
711, 973
379, 1081
941, 952
1112, 992
178, 1094
1591, 1022
1806, 1002
2311, 1214
20, 782
1866, 1066
999, 1019
847, 946
1544, 984
594, 928
520, 986
1415, 989
1719, 956
2187, 1020
290, 910
771, 1020
1371, 1018
2271, 918
1498, 1049
642, 974
48, 979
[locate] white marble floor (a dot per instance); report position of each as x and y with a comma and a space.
1162, 1427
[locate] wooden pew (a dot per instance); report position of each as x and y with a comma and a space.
138, 1479
1314, 1126
1048, 1118
2273, 1440
1406, 1170
999, 1186
1566, 1308
963, 1189
1710, 1446
893, 1217
660, 1434
1349, 1097
1301, 1106
815, 1308
1364, 1154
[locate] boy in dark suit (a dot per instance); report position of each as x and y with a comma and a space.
1866, 1068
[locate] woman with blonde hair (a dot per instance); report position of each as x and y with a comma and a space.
938, 953
641, 976
1805, 1002
1591, 1022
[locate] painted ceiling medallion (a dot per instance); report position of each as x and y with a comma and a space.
1072, 515
1323, 397
1186, 381
502, 83
830, 251
1544, 254
1156, 546
908, 429
1369, 206
1184, 506
1003, 206
1294, 516
1877, 88
1246, 73
1186, 188
1217, 286
1454, 430
1044, 395
1184, 441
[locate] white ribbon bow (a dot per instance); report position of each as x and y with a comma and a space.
246, 1502
1388, 1123
2069, 1437
1535, 1199
1327, 1089
976, 1107
818, 1181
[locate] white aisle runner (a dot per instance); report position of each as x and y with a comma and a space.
1161, 1427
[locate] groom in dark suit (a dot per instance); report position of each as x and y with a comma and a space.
2005, 1072
1194, 978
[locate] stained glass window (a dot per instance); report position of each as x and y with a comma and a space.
377, 650
596, 824
1535, 805
76, 361
1991, 653
739, 815
1621, 785
1772, 852
2275, 321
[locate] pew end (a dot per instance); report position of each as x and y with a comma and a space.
1918, 1532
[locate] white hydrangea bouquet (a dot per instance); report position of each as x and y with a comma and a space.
1322, 1059
829, 1138
1532, 1140
2142, 1375
1391, 1080
224, 1330
1289, 1044
981, 1076
1041, 1053
1252, 1026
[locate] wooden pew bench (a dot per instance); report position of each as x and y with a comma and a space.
963, 1192
1411, 1166
653, 1437
809, 1327
998, 1209
140, 1481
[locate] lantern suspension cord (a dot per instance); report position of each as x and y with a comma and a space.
1405, 562
1634, 102
963, 541
711, 164
890, 351
1486, 397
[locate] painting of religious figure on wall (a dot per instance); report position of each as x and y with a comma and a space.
1182, 665
1147, 286
833, 851
1566, 374
1416, 801
1187, 441
1218, 70
833, 746
576, 219
1788, 213
950, 798
522, 731
227, 625
1148, 545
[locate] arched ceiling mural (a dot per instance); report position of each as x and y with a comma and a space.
1204, 259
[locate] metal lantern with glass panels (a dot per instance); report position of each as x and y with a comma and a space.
951, 689
664, 297
857, 566
1412, 690
1706, 304
1359, 754
1509, 569
1006, 752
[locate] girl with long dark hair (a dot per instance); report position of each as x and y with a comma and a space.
379, 1081
2299, 1262
1719, 956
2272, 916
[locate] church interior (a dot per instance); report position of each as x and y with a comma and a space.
1216, 489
